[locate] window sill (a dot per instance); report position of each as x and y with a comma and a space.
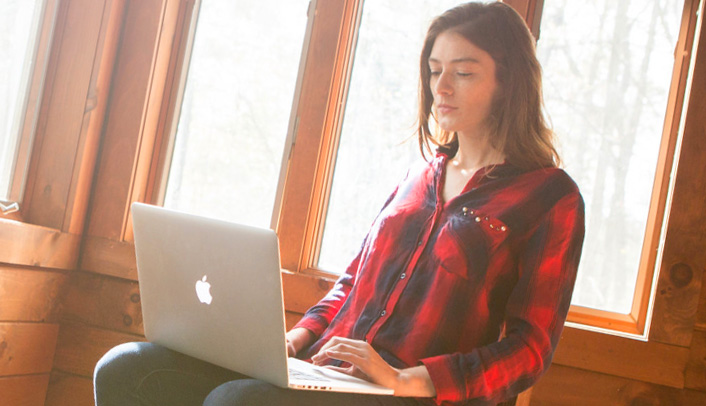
32, 245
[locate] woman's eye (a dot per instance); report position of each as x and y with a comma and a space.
464, 74
435, 73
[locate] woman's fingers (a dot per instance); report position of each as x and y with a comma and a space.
322, 356
364, 361
351, 370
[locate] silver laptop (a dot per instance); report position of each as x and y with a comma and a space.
213, 290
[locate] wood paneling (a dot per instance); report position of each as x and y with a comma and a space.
28, 390
69, 390
27, 348
695, 374
291, 318
684, 257
563, 386
28, 244
79, 347
30, 294
302, 291
622, 357
104, 302
109, 257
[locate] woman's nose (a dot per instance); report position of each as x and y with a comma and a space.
443, 85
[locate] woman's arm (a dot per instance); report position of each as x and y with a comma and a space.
297, 339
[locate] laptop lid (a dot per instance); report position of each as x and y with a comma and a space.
212, 290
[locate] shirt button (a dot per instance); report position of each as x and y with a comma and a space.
419, 244
383, 313
404, 275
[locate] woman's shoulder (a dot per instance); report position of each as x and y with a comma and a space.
553, 176
549, 185
423, 168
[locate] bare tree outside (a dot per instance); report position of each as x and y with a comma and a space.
607, 70
236, 107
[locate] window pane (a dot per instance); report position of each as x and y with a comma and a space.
236, 108
19, 26
607, 70
378, 141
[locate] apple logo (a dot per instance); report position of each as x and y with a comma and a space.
203, 291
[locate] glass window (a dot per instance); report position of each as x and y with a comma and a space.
607, 71
20, 29
378, 138
235, 110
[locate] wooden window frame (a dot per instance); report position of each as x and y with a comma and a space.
635, 323
30, 107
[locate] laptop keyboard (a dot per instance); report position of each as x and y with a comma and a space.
305, 375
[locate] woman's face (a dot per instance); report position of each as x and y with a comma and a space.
463, 84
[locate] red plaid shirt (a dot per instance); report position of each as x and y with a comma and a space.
436, 283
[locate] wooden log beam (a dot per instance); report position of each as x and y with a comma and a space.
562, 386
27, 348
646, 361
109, 257
27, 390
69, 390
30, 294
79, 347
28, 244
103, 302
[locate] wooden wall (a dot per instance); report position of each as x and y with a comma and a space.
68, 289
40, 247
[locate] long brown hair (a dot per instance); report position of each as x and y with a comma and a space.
517, 122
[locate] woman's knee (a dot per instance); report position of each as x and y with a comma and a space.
122, 362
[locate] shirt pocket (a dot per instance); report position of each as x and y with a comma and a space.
468, 241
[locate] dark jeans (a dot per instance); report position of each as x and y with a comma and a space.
149, 374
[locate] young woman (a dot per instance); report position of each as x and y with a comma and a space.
461, 288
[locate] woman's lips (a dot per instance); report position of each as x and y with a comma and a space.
445, 109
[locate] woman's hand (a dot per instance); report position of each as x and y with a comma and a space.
297, 339
365, 363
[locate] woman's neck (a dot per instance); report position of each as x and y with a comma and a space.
475, 152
